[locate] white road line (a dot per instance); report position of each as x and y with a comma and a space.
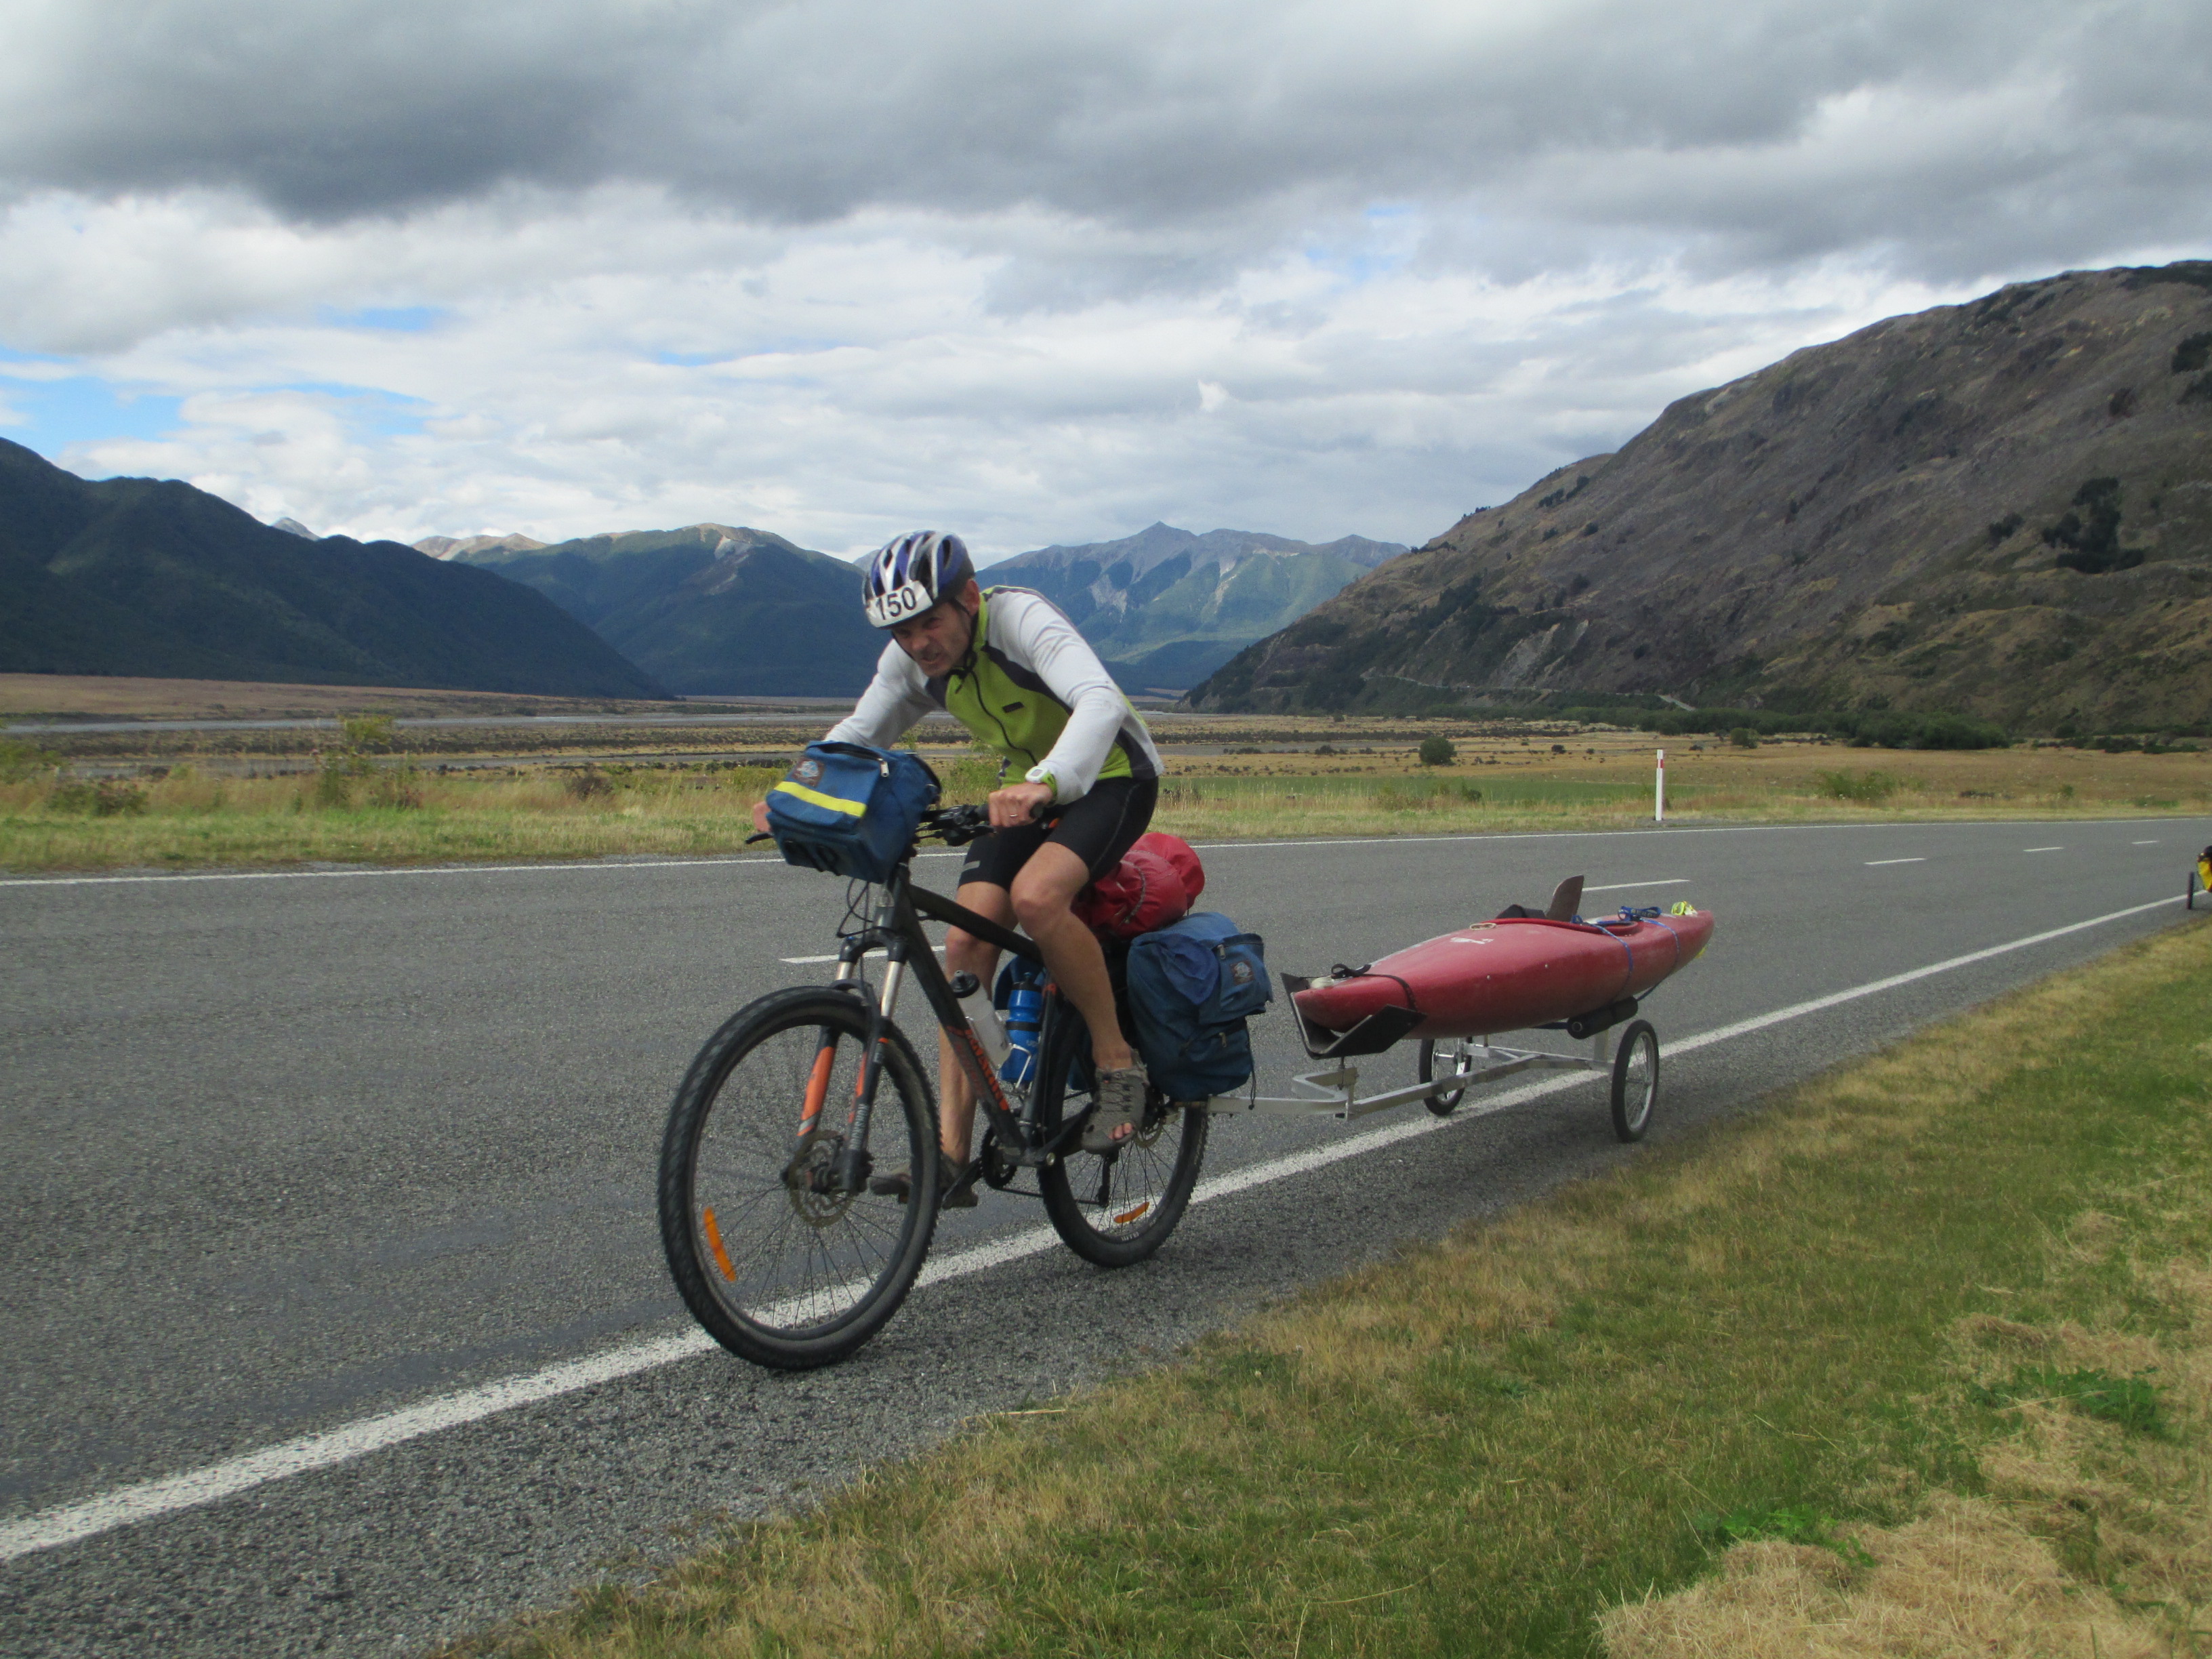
1615, 886
2147, 843
126, 1505
801, 961
1875, 864
749, 860
2042, 849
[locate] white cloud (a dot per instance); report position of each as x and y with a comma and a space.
1038, 274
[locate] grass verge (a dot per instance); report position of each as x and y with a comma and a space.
395, 811
1922, 1353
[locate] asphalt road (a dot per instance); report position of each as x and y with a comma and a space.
280, 1154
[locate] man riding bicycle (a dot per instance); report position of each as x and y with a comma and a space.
1013, 669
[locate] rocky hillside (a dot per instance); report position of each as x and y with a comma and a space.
711, 609
2002, 508
1165, 607
148, 577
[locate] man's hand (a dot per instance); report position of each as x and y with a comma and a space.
760, 817
1018, 803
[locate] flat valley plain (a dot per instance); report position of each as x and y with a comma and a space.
505, 777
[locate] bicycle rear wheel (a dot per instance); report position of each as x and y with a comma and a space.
777, 1265
1112, 1208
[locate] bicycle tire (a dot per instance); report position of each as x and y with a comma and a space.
1635, 1081
779, 1273
1116, 1208
1444, 1101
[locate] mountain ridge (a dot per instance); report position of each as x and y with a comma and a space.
153, 577
707, 609
2001, 507
1165, 606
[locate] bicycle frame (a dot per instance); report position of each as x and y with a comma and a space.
895, 929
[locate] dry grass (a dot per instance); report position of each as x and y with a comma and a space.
1964, 1578
116, 696
1271, 781
1501, 1442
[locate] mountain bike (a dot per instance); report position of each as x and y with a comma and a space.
776, 1244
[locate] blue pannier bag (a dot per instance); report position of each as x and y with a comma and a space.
1191, 985
850, 809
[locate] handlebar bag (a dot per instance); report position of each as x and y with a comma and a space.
1191, 986
849, 809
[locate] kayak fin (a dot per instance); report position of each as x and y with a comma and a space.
1566, 900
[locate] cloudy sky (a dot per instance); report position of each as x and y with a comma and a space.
1038, 273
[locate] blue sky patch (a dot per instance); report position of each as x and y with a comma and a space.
388, 319
81, 409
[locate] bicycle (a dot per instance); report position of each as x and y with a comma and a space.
775, 1243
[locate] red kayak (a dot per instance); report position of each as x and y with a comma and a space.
1504, 975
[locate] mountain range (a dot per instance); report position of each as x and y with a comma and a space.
721, 610
1165, 607
2001, 508
138, 576
710, 609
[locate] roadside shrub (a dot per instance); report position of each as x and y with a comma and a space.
2192, 353
20, 761
369, 734
1416, 795
338, 770
589, 785
397, 788
108, 798
1868, 788
1438, 751
1744, 738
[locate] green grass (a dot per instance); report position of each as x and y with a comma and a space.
1806, 1324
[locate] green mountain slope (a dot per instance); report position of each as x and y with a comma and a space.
136, 576
710, 609
1164, 607
2001, 508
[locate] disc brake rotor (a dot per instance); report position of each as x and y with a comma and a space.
806, 1180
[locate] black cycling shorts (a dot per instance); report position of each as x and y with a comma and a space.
1098, 828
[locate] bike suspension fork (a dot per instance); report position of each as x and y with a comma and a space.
854, 1162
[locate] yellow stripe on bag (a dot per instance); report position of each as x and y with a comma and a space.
814, 797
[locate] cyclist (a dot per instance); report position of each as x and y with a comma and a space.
1011, 666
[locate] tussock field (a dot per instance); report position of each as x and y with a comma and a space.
1916, 1361
209, 800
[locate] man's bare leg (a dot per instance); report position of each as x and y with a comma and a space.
964, 952
1043, 889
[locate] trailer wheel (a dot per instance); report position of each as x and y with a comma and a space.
1635, 1080
1457, 1062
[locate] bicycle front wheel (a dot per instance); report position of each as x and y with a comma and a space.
778, 1264
1112, 1208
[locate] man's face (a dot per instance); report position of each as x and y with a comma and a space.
937, 639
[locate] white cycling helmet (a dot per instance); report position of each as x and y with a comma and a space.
907, 576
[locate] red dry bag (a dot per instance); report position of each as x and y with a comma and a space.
1157, 882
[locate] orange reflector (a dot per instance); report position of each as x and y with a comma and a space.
1128, 1216
715, 1243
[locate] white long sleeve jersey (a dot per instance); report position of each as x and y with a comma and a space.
1031, 688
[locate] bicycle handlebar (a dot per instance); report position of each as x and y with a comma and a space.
956, 826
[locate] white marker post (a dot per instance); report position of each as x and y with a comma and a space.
1659, 791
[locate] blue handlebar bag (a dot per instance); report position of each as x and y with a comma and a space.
849, 809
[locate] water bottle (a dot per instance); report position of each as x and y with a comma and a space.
1024, 1013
